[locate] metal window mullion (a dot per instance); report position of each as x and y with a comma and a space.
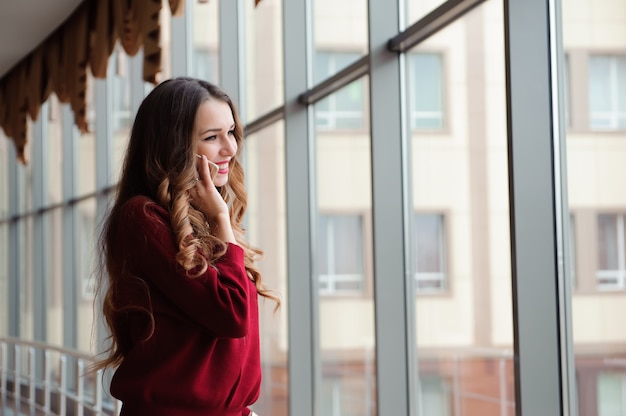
104, 164
70, 234
15, 252
534, 190
396, 367
181, 41
303, 355
39, 154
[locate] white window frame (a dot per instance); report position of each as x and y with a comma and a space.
617, 276
415, 115
440, 277
329, 284
616, 118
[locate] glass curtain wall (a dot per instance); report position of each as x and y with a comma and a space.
264, 153
594, 45
459, 284
460, 253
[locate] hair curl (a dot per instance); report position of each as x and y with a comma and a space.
160, 163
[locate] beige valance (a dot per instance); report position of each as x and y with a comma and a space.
83, 42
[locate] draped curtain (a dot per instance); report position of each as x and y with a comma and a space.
83, 42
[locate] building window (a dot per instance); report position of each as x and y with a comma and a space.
611, 273
344, 108
340, 254
426, 94
429, 258
435, 400
607, 92
611, 397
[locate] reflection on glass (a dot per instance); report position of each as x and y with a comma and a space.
594, 40
263, 57
205, 41
460, 242
266, 222
343, 265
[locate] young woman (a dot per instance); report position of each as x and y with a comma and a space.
179, 280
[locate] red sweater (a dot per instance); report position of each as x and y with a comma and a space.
203, 356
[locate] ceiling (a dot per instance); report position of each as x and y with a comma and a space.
24, 24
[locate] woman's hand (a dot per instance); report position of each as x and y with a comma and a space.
207, 199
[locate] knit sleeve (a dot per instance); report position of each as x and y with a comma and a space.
216, 300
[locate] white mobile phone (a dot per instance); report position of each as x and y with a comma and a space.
213, 168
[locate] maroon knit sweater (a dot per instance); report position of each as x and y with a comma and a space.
203, 356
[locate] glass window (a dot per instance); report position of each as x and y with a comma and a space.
611, 272
611, 394
607, 92
263, 57
264, 155
429, 261
343, 109
340, 254
344, 259
205, 64
206, 38
427, 90
435, 398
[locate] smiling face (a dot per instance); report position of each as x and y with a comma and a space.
214, 133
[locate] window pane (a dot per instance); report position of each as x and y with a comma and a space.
427, 92
266, 222
205, 43
263, 57
343, 109
607, 92
460, 243
607, 242
595, 168
344, 240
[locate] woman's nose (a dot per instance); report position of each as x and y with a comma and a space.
229, 146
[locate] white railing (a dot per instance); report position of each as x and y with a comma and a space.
41, 379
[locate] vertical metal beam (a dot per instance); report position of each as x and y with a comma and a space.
232, 52
40, 153
181, 41
16, 237
538, 387
299, 153
104, 161
70, 235
390, 206
557, 59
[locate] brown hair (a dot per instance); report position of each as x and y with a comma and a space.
160, 163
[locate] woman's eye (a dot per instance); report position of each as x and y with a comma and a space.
210, 138
231, 132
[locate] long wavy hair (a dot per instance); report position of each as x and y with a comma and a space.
160, 164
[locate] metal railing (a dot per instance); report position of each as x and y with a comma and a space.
41, 379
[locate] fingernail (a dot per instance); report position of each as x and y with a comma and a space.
204, 157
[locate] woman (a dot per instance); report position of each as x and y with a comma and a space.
181, 294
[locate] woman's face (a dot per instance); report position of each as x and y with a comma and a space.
214, 132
